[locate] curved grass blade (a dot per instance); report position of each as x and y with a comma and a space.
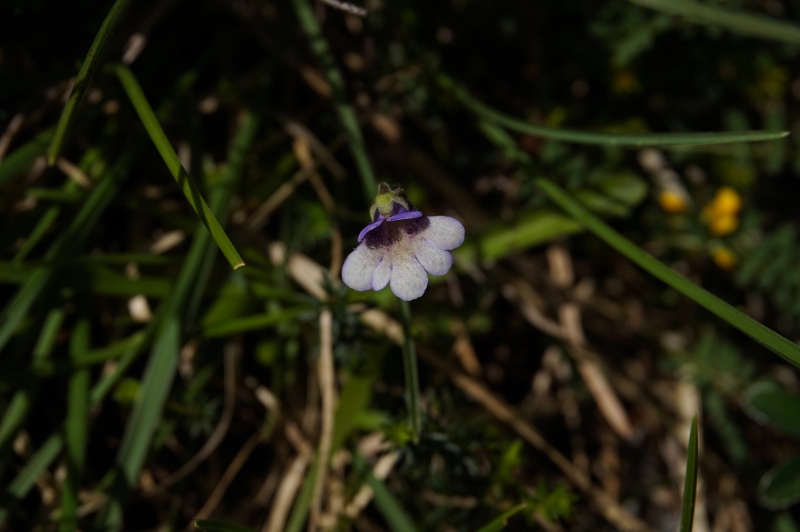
764, 335
500, 522
163, 362
319, 46
690, 481
605, 139
77, 428
84, 79
747, 23
175, 167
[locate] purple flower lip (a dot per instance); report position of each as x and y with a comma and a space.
408, 215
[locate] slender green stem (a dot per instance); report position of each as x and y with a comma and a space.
603, 138
764, 335
411, 372
347, 117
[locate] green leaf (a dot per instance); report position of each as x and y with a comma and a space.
605, 139
766, 336
747, 23
690, 481
218, 525
387, 504
780, 486
175, 167
768, 403
19, 162
500, 522
84, 78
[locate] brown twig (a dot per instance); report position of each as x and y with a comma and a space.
346, 7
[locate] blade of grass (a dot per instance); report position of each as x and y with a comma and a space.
764, 335
84, 79
605, 139
747, 23
347, 117
690, 482
163, 362
190, 190
77, 429
387, 504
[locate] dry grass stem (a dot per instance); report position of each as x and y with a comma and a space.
327, 385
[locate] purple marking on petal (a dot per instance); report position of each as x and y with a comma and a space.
404, 216
369, 228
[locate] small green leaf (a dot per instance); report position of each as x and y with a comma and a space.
768, 403
780, 486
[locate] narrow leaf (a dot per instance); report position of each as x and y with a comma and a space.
84, 79
747, 23
159, 138
605, 139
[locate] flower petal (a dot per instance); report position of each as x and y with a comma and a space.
444, 232
380, 278
359, 266
409, 280
436, 261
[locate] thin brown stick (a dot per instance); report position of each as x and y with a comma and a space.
327, 385
291, 482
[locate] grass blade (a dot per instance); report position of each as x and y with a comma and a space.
747, 23
605, 139
217, 525
163, 363
690, 482
77, 429
764, 335
84, 79
175, 167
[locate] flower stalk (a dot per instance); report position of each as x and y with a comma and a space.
411, 373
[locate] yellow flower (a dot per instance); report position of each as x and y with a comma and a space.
672, 202
721, 213
724, 258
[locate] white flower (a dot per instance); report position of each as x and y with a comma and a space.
399, 246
